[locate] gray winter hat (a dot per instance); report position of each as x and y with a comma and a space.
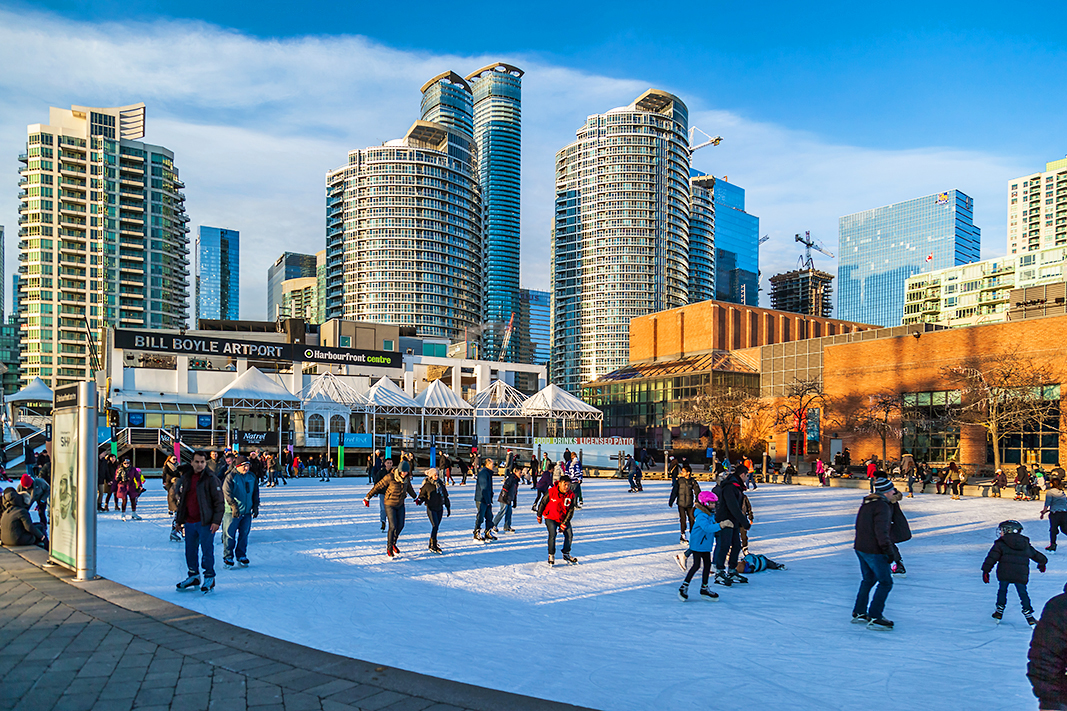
883, 485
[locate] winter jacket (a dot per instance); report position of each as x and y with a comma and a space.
546, 480
1047, 669
729, 505
208, 496
509, 491
556, 506
574, 469
128, 482
16, 527
746, 508
394, 490
873, 524
170, 475
756, 563
899, 530
435, 495
1056, 500
241, 492
1001, 480
377, 470
684, 491
702, 537
1011, 554
40, 491
907, 464
483, 487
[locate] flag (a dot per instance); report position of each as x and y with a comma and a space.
929, 257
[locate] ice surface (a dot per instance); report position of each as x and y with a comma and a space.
611, 633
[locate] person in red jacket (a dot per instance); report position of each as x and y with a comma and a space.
558, 508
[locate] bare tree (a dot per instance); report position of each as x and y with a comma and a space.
877, 414
792, 412
719, 407
1004, 395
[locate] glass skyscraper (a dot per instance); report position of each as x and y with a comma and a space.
533, 327
291, 265
497, 93
701, 237
879, 249
218, 272
736, 246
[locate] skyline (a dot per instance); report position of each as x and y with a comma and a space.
257, 129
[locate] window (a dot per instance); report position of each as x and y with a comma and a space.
928, 432
387, 345
346, 341
337, 423
316, 426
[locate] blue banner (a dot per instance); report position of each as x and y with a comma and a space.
351, 439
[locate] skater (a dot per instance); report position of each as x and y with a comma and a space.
574, 471
729, 507
1011, 554
746, 508
128, 480
872, 467
685, 492
378, 474
820, 472
544, 482
673, 467
701, 542
445, 465
508, 500
1056, 508
926, 476
1047, 669
1022, 482
375, 465
394, 487
105, 480
756, 564
874, 548
909, 471
899, 532
434, 494
483, 497
35, 490
633, 473
1000, 481
241, 491
200, 509
557, 510
16, 526
953, 478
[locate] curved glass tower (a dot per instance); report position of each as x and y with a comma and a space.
620, 240
447, 100
497, 92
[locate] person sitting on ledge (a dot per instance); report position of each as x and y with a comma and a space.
16, 526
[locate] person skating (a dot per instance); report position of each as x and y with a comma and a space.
875, 550
395, 486
746, 507
16, 526
446, 467
241, 491
508, 500
701, 542
377, 474
128, 480
1011, 554
200, 509
35, 490
1047, 668
483, 497
556, 510
574, 471
105, 480
434, 494
909, 471
1056, 508
729, 507
633, 473
899, 532
544, 482
1022, 482
685, 492
171, 474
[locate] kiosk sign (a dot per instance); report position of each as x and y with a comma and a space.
63, 523
72, 528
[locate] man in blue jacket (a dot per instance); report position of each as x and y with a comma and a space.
875, 550
483, 496
241, 492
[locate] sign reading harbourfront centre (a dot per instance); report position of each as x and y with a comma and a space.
205, 346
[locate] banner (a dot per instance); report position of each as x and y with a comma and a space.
255, 439
63, 524
351, 440
579, 441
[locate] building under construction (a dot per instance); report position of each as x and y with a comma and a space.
803, 291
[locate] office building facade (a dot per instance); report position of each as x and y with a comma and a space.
290, 265
803, 291
103, 238
620, 238
533, 327
701, 237
217, 273
736, 246
1037, 209
879, 249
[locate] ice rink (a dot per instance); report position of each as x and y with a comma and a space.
611, 633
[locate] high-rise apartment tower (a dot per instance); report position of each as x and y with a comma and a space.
1037, 209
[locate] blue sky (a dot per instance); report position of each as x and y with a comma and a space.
825, 109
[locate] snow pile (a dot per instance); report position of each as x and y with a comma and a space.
611, 633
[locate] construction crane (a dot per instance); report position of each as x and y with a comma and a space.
507, 335
764, 238
712, 140
809, 244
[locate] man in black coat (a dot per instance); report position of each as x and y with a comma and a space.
684, 493
483, 497
1047, 669
728, 539
875, 550
201, 505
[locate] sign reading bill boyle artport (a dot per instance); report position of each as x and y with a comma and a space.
201, 346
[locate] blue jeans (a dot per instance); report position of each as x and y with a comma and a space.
199, 535
1024, 597
568, 536
505, 513
485, 513
435, 523
395, 515
381, 507
875, 568
237, 529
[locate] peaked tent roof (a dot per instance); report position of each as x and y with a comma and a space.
254, 389
328, 389
439, 400
499, 400
36, 391
385, 396
553, 401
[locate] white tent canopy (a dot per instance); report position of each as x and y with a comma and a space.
556, 403
499, 400
387, 398
254, 390
439, 400
328, 389
36, 391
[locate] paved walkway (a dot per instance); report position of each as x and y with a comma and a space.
99, 645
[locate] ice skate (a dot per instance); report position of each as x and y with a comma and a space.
243, 562
477, 534
175, 536
706, 594
682, 561
570, 559
551, 560
208, 586
228, 562
1029, 615
1051, 548
860, 619
135, 517
880, 623
488, 535
998, 614
721, 578
190, 583
898, 570
681, 539
683, 592
737, 577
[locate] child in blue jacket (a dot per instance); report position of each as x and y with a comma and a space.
701, 543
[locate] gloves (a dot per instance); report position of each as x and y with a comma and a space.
418, 501
1041, 567
538, 519
563, 527
366, 502
255, 514
727, 524
449, 513
985, 577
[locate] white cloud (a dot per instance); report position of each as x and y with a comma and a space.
256, 123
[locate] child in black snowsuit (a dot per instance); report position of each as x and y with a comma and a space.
1011, 554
